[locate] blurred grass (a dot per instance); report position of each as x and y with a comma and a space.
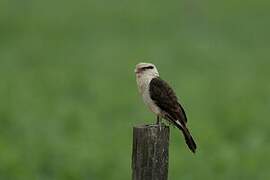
69, 98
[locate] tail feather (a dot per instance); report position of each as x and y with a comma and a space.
189, 140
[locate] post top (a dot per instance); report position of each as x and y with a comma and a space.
143, 126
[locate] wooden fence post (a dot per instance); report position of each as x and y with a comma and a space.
150, 154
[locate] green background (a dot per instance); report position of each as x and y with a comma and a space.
69, 100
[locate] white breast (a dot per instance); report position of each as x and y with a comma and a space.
144, 85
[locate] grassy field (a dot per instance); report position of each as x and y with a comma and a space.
68, 96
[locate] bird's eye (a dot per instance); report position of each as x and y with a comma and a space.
148, 67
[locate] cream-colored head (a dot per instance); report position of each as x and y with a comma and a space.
146, 69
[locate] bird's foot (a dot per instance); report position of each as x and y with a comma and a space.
159, 122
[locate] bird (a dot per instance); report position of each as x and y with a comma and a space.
162, 100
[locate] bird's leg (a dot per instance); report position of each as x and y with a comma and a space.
158, 120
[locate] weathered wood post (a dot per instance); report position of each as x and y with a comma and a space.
150, 155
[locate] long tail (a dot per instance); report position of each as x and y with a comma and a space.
189, 139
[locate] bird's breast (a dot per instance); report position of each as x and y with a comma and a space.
143, 83
149, 102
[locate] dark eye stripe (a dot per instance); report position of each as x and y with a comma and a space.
148, 67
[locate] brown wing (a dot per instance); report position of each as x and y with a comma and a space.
163, 95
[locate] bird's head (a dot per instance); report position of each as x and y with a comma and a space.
146, 69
